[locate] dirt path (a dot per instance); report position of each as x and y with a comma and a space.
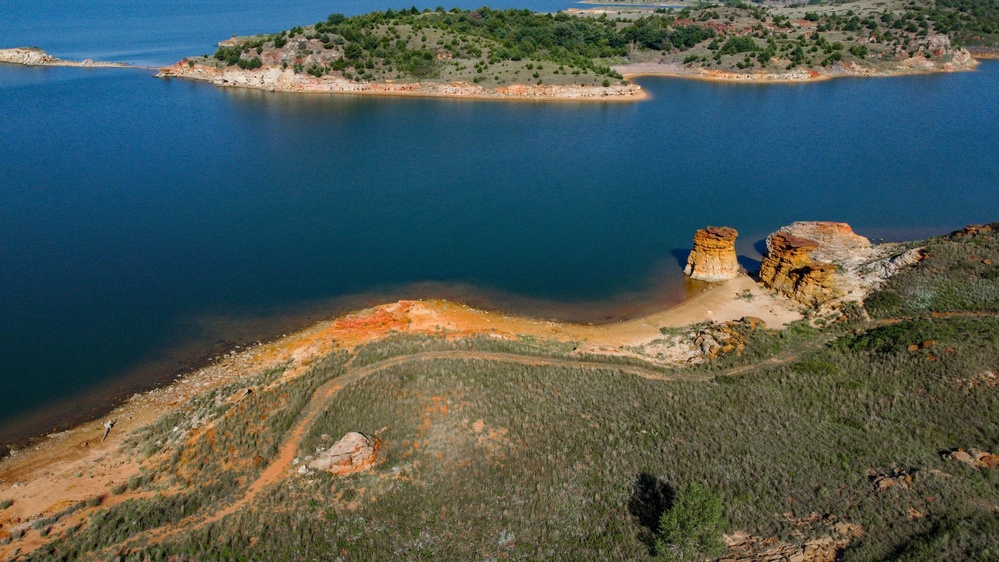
275, 471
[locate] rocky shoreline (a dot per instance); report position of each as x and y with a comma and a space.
960, 61
276, 79
30, 56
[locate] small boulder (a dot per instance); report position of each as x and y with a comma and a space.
352, 453
974, 457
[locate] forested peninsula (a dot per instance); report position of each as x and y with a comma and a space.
590, 54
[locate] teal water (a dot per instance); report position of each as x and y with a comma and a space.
149, 223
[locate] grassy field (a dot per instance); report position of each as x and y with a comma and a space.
557, 457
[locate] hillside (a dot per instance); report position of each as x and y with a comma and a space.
586, 54
862, 432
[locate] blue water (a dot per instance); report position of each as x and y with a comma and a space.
147, 223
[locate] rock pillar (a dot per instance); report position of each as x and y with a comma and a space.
713, 257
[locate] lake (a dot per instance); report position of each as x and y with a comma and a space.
149, 224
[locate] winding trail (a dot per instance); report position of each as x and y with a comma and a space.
276, 469
289, 444
288, 448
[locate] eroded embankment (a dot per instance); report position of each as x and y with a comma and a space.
276, 79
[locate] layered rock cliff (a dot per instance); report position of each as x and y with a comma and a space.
807, 261
818, 264
790, 270
713, 257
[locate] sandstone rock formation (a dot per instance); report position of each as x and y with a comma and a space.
26, 56
718, 339
834, 240
713, 257
30, 56
974, 457
888, 267
804, 260
743, 547
352, 453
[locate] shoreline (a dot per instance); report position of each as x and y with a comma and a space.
720, 302
31, 56
511, 317
250, 80
234, 333
63, 469
274, 79
804, 76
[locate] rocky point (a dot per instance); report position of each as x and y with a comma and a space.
810, 262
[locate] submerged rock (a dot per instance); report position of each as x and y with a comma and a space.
713, 257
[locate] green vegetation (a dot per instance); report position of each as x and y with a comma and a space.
692, 527
959, 274
575, 457
494, 48
437, 44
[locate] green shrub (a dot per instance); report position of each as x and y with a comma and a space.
692, 527
736, 45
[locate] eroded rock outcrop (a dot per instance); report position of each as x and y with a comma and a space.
789, 270
31, 56
834, 240
890, 266
352, 453
974, 458
713, 257
26, 56
743, 547
808, 261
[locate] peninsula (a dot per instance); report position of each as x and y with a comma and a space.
33, 56
840, 407
589, 54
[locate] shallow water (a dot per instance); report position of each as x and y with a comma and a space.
148, 223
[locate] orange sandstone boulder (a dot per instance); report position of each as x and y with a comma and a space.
789, 270
713, 257
802, 259
354, 452
974, 457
